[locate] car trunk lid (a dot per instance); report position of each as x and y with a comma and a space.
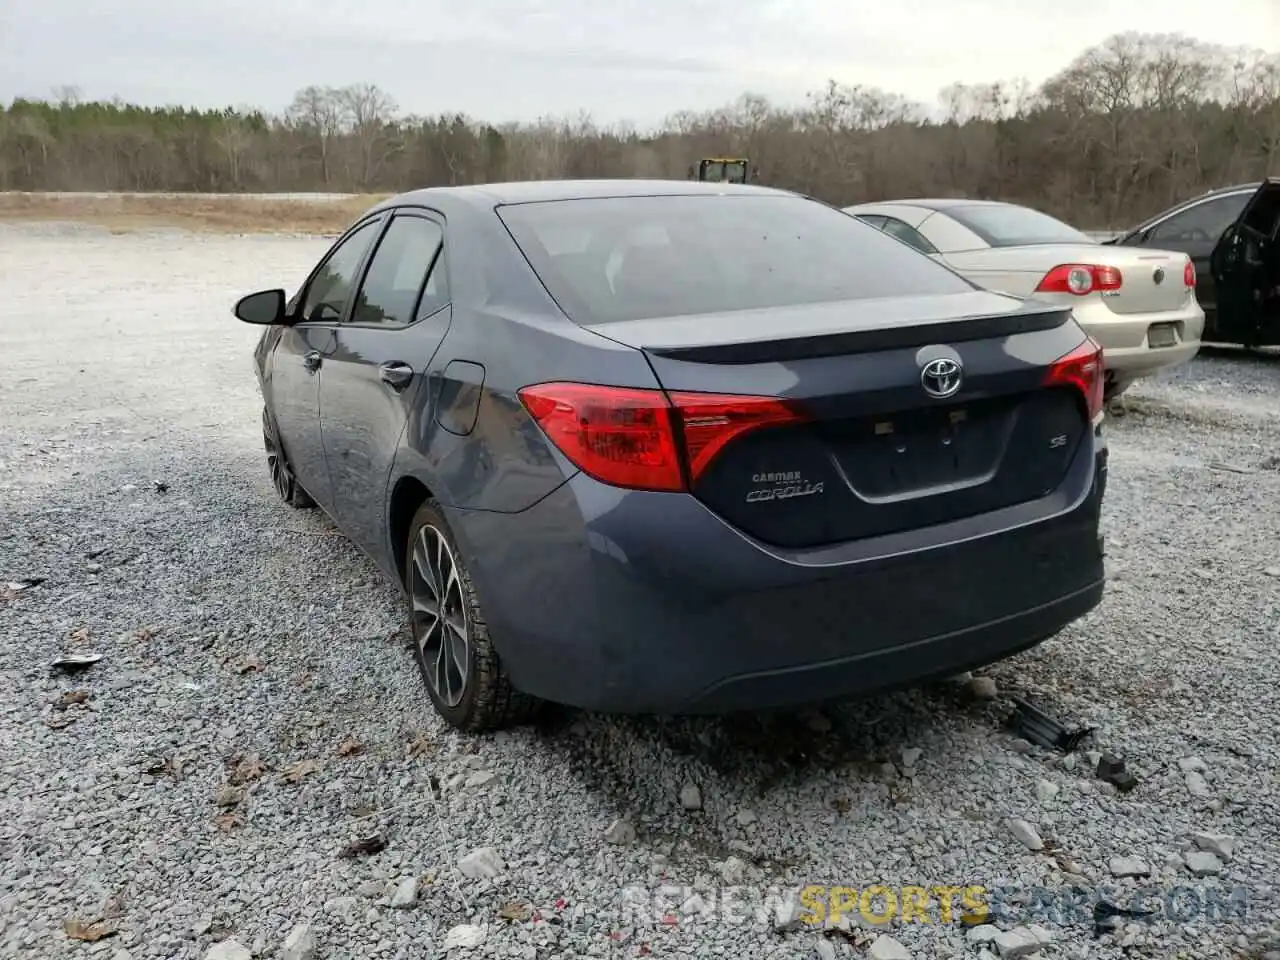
877, 453
1151, 281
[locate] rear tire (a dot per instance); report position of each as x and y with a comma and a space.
282, 478
463, 674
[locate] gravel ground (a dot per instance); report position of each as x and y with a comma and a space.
256, 708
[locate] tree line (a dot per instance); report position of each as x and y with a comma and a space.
1127, 128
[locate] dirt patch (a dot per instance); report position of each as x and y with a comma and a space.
122, 213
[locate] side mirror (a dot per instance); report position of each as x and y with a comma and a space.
264, 308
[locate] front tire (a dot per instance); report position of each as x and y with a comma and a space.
460, 668
286, 484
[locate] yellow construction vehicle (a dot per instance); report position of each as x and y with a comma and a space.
722, 170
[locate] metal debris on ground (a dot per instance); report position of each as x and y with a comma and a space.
74, 662
362, 846
1112, 769
1106, 916
1038, 727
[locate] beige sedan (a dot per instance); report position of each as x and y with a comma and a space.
1139, 304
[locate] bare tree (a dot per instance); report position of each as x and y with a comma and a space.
1128, 127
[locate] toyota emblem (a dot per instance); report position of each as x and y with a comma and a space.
941, 378
1158, 275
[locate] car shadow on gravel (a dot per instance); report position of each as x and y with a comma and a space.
638, 765
1260, 357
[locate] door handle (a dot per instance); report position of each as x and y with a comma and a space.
396, 375
312, 361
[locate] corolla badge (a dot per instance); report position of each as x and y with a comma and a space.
941, 378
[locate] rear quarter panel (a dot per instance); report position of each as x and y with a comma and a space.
999, 271
506, 323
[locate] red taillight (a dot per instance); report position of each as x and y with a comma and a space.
627, 437
1079, 279
1189, 274
1082, 369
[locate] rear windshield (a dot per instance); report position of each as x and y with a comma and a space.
631, 258
1006, 225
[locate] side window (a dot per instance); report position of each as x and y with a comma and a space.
394, 281
331, 288
436, 293
871, 219
908, 234
1204, 222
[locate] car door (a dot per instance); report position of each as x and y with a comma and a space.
1241, 264
294, 396
370, 380
1195, 231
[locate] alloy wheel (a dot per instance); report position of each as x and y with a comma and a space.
439, 616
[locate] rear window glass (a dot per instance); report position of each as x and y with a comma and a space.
634, 258
1006, 225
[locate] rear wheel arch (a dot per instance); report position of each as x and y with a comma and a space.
407, 496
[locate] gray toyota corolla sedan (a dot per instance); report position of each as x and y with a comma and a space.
672, 447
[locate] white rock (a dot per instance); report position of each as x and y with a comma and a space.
1196, 784
406, 894
228, 950
1018, 942
983, 933
464, 935
733, 871
1192, 765
790, 913
887, 948
1203, 864
342, 906
691, 797
1027, 835
909, 757
746, 817
826, 949
1128, 867
481, 778
121, 954
620, 832
483, 863
1046, 791
299, 945
984, 688
1042, 934
1221, 845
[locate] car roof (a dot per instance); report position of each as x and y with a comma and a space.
1192, 201
489, 195
934, 203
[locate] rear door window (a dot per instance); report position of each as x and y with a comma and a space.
664, 256
394, 281
907, 234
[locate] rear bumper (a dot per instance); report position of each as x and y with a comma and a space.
648, 603
1124, 338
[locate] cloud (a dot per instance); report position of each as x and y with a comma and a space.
517, 59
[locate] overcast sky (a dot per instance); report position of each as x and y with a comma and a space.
618, 59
